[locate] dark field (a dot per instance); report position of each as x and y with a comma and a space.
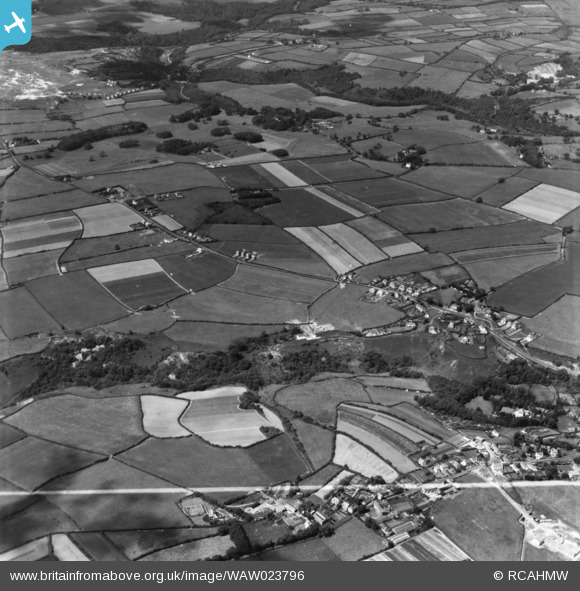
390, 191
260, 234
300, 208
524, 232
244, 176
76, 300
198, 273
531, 293
146, 290
344, 170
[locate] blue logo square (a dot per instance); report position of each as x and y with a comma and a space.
15, 22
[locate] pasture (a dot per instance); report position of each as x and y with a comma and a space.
300, 207
545, 203
336, 257
113, 511
276, 284
559, 327
191, 210
411, 263
482, 523
318, 442
560, 504
445, 276
443, 216
161, 416
217, 304
46, 204
195, 550
353, 541
358, 458
344, 309
514, 234
390, 191
389, 396
198, 272
31, 462
104, 426
31, 266
37, 234
253, 234
319, 399
107, 219
22, 185
475, 153
97, 546
340, 170
65, 297
531, 293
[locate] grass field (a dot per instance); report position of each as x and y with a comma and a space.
9, 435
462, 181
389, 191
65, 297
348, 452
338, 258
518, 233
344, 309
145, 322
22, 346
196, 550
97, 546
31, 266
561, 504
23, 184
558, 323
343, 170
482, 523
545, 203
191, 210
319, 400
107, 219
318, 442
213, 336
389, 240
217, 304
104, 426
475, 153
389, 396
566, 179
253, 234
276, 284
161, 416
37, 234
535, 291
22, 315
248, 176
497, 272
198, 464
444, 215
445, 276
199, 272
135, 544
118, 512
31, 462
353, 541
300, 207
310, 550
36, 206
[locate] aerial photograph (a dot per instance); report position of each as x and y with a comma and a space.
290, 280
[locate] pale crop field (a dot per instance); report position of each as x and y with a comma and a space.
161, 416
545, 203
358, 458
107, 219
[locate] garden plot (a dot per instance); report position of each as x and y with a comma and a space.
359, 458
107, 219
161, 416
545, 203
356, 244
38, 234
332, 253
215, 416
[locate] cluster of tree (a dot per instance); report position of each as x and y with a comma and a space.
210, 105
570, 67
269, 431
220, 131
300, 366
283, 119
250, 137
184, 147
100, 368
255, 198
530, 149
78, 140
374, 362
129, 143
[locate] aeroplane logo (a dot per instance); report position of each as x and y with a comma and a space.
18, 22
15, 22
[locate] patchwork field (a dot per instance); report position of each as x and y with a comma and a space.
359, 458
107, 219
37, 234
545, 203
340, 260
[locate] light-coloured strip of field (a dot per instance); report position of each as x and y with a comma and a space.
356, 244
399, 250
32, 551
161, 416
326, 248
288, 178
65, 550
348, 452
214, 393
126, 270
545, 203
43, 227
107, 219
335, 202
272, 417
